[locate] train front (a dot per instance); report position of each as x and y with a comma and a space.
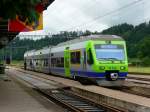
109, 62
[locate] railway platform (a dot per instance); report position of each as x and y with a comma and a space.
15, 97
101, 95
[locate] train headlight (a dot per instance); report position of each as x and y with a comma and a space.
102, 68
114, 76
122, 68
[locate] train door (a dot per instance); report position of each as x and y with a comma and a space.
67, 62
84, 60
89, 56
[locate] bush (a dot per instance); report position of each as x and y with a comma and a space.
146, 61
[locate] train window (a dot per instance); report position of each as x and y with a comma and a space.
62, 60
30, 62
84, 57
57, 62
52, 62
43, 63
52, 54
78, 57
46, 62
75, 57
27, 62
36, 62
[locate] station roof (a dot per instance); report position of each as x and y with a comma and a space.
5, 35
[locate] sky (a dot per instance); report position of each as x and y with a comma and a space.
94, 15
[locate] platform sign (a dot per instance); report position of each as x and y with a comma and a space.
17, 25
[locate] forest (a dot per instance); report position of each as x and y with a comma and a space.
137, 39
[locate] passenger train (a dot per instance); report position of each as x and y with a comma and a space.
98, 58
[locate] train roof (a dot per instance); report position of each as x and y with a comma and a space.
44, 50
29, 53
92, 37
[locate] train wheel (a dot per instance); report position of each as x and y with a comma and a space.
74, 77
84, 81
109, 84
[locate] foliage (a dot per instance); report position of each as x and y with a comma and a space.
146, 61
137, 39
120, 30
18, 46
144, 47
23, 8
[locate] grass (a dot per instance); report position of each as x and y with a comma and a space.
139, 69
17, 63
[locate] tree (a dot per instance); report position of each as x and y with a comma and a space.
23, 8
144, 46
119, 29
87, 32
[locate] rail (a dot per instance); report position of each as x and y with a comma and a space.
67, 98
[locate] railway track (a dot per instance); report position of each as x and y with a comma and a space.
63, 95
134, 79
139, 80
134, 88
137, 86
74, 103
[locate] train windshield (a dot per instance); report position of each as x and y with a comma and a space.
110, 52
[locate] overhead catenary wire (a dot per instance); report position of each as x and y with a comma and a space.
133, 11
107, 14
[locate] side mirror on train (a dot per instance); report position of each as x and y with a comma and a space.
90, 57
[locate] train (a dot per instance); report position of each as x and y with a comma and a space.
98, 58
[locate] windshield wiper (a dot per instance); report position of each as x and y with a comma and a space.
102, 58
113, 59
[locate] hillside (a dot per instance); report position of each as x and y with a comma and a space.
137, 39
